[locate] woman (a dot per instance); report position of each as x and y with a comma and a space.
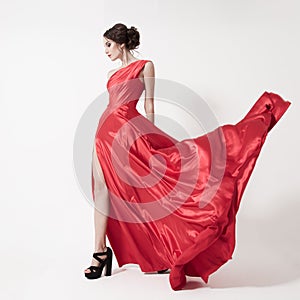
158, 205
128, 39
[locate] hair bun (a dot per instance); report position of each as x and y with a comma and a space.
132, 28
133, 38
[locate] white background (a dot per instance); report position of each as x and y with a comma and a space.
53, 66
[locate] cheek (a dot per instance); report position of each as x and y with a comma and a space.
115, 49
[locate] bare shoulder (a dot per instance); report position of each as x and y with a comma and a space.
149, 64
111, 72
149, 70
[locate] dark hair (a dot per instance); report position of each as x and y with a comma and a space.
120, 34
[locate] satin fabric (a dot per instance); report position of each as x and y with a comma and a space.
172, 204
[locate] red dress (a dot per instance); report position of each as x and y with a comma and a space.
172, 204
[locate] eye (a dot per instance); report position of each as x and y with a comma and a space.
108, 44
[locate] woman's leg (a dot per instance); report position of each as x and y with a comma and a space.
100, 222
101, 208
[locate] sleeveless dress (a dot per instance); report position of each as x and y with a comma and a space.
173, 204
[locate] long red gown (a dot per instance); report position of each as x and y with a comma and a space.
172, 204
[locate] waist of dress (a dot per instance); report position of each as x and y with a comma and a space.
123, 106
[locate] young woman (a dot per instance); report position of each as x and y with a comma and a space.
162, 203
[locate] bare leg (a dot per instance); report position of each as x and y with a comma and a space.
100, 222
101, 209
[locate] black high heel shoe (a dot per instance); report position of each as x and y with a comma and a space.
95, 272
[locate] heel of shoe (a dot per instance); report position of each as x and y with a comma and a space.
109, 262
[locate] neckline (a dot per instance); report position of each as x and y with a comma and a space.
122, 69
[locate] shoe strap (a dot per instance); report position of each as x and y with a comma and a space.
93, 268
96, 254
102, 253
98, 258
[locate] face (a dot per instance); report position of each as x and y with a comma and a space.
112, 49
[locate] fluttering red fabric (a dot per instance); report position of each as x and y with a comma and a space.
173, 204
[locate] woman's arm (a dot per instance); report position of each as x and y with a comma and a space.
149, 79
